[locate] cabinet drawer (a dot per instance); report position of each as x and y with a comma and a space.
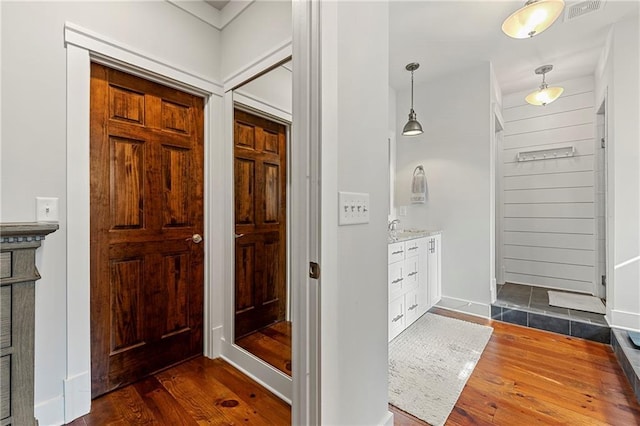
412, 248
5, 387
396, 317
412, 302
396, 280
5, 316
5, 264
396, 252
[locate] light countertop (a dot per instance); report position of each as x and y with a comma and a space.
412, 234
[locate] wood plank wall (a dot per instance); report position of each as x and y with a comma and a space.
548, 206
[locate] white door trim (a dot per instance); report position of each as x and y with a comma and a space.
259, 370
82, 47
306, 207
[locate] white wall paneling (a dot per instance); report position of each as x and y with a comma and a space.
549, 225
542, 239
544, 281
549, 136
550, 180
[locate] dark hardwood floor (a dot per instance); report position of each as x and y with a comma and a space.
527, 376
197, 392
271, 344
524, 377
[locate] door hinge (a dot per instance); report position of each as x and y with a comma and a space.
601, 142
314, 270
603, 281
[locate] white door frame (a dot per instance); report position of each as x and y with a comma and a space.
82, 47
261, 371
306, 204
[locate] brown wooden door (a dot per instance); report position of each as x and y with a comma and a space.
147, 165
260, 216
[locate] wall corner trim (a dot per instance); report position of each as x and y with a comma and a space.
218, 19
117, 52
280, 53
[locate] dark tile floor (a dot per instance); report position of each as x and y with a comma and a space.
536, 300
628, 356
529, 306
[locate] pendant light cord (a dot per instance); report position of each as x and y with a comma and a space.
411, 90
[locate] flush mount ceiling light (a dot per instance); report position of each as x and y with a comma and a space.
545, 94
533, 18
413, 127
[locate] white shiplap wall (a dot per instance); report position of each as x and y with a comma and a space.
549, 206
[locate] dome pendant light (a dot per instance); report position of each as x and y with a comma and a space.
533, 18
413, 127
545, 94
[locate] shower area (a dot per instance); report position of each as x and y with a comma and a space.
550, 213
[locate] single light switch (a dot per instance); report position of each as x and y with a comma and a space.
47, 209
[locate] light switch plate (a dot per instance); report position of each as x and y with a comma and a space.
353, 208
47, 209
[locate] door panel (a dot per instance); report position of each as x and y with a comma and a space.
260, 215
146, 160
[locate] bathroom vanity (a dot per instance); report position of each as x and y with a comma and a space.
413, 278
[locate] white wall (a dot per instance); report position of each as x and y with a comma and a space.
549, 237
34, 135
271, 90
617, 79
392, 152
261, 28
455, 150
355, 96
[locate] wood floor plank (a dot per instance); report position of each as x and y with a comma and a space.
527, 376
523, 377
162, 404
276, 410
271, 344
205, 399
189, 394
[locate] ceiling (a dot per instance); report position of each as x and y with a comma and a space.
446, 36
218, 4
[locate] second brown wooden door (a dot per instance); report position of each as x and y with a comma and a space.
146, 157
260, 222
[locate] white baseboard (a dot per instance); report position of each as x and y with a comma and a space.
215, 343
465, 306
624, 320
387, 420
77, 396
50, 412
494, 290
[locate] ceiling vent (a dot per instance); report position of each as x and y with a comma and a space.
582, 8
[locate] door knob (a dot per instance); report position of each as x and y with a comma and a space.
196, 238
239, 235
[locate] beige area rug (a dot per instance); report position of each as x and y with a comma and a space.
430, 362
579, 302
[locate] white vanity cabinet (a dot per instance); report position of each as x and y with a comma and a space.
413, 280
407, 282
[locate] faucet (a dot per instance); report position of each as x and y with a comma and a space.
393, 225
